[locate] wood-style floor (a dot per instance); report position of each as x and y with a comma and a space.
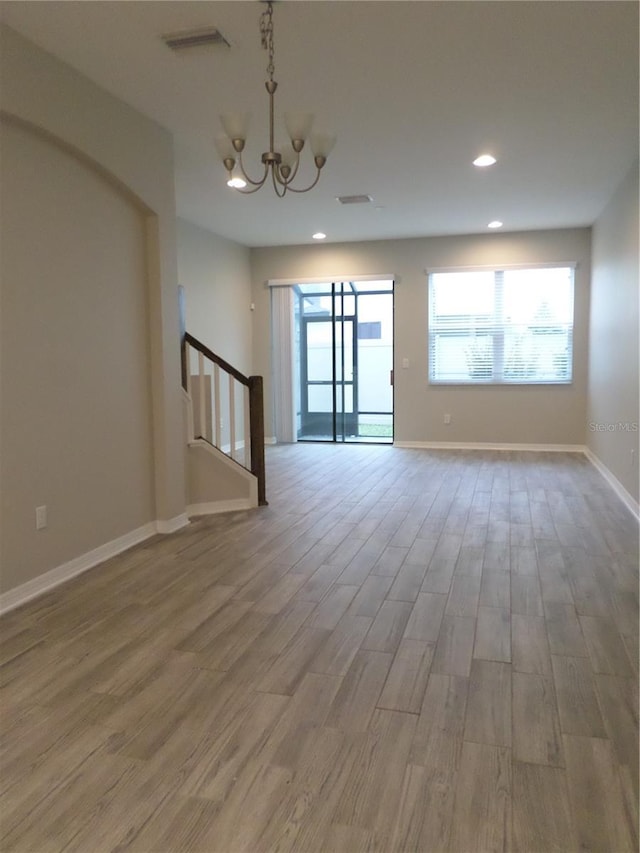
407, 650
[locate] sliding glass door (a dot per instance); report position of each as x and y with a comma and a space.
344, 361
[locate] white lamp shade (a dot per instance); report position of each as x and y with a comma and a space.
322, 144
224, 147
298, 124
235, 125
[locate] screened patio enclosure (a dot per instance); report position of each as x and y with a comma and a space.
343, 356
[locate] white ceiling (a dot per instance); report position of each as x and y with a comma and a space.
414, 91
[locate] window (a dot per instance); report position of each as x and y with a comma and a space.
370, 331
501, 326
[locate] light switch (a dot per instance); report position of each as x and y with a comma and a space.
405, 363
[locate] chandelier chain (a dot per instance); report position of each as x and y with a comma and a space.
266, 34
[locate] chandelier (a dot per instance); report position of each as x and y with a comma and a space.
282, 164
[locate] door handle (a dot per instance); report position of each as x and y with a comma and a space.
391, 377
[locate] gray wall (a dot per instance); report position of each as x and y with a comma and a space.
90, 365
500, 414
216, 276
613, 353
76, 394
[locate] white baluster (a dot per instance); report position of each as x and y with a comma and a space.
216, 405
232, 415
201, 387
247, 428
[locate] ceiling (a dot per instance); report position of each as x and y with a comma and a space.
413, 90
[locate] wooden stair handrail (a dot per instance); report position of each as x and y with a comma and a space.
216, 359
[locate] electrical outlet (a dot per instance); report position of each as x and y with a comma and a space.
41, 517
447, 418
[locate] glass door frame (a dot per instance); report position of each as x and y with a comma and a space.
342, 430
342, 422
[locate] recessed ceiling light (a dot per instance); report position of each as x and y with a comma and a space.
319, 235
495, 224
236, 183
484, 160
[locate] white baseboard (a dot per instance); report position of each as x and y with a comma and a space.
172, 524
270, 439
481, 445
627, 499
216, 507
43, 583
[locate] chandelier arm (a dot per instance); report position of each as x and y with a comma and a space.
249, 180
253, 190
276, 180
306, 190
294, 170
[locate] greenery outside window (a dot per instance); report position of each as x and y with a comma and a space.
501, 326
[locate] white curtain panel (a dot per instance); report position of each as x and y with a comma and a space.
282, 359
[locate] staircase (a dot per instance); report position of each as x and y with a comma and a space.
226, 410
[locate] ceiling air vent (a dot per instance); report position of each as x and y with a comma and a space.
188, 39
355, 199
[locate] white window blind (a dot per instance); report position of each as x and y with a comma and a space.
501, 326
